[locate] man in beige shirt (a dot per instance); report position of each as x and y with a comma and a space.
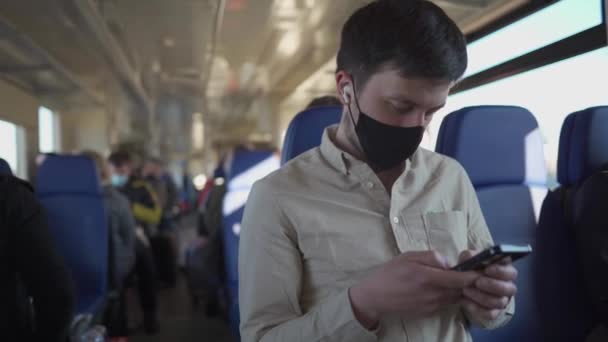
353, 241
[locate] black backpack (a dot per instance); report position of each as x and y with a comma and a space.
11, 282
589, 219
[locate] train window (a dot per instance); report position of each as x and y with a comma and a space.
550, 93
49, 130
8, 148
198, 131
13, 148
554, 23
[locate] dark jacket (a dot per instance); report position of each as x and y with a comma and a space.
122, 239
213, 254
30, 269
144, 203
172, 193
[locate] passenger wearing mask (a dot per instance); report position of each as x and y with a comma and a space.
146, 210
36, 292
121, 224
354, 240
122, 246
144, 200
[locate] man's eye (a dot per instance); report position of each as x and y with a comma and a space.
402, 110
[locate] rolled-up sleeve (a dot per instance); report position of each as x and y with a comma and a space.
270, 282
479, 238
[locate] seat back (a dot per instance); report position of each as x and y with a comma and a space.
247, 167
583, 145
5, 168
69, 189
306, 130
583, 149
501, 149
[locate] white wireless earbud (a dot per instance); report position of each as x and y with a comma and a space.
346, 94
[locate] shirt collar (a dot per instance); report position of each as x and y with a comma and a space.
331, 152
344, 161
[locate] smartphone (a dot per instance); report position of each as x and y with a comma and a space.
493, 255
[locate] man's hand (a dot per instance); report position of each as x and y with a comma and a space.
414, 284
491, 292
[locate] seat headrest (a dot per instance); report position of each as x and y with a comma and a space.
248, 166
306, 130
5, 169
583, 145
66, 175
495, 144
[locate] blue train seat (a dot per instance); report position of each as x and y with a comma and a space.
306, 130
69, 189
583, 149
246, 168
501, 149
5, 169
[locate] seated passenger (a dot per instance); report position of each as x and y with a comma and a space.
30, 269
120, 221
122, 243
354, 240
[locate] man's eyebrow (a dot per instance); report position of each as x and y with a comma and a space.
406, 101
438, 107
402, 100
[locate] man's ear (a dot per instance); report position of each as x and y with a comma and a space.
345, 89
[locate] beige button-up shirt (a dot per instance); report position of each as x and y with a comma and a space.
317, 226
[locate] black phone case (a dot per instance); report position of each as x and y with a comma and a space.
489, 256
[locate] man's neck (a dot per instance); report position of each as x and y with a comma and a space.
346, 140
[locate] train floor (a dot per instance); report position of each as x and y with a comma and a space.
179, 320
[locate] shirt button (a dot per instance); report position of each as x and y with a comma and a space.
395, 220
369, 185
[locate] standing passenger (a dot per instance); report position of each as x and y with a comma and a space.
354, 240
146, 211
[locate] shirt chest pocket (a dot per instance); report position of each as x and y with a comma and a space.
336, 247
445, 232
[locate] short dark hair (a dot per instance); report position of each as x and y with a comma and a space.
120, 158
324, 101
415, 37
155, 160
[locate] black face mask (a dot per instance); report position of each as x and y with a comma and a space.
385, 146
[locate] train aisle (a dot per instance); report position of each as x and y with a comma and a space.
179, 322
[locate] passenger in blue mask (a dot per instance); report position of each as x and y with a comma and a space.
355, 240
144, 200
119, 180
147, 212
